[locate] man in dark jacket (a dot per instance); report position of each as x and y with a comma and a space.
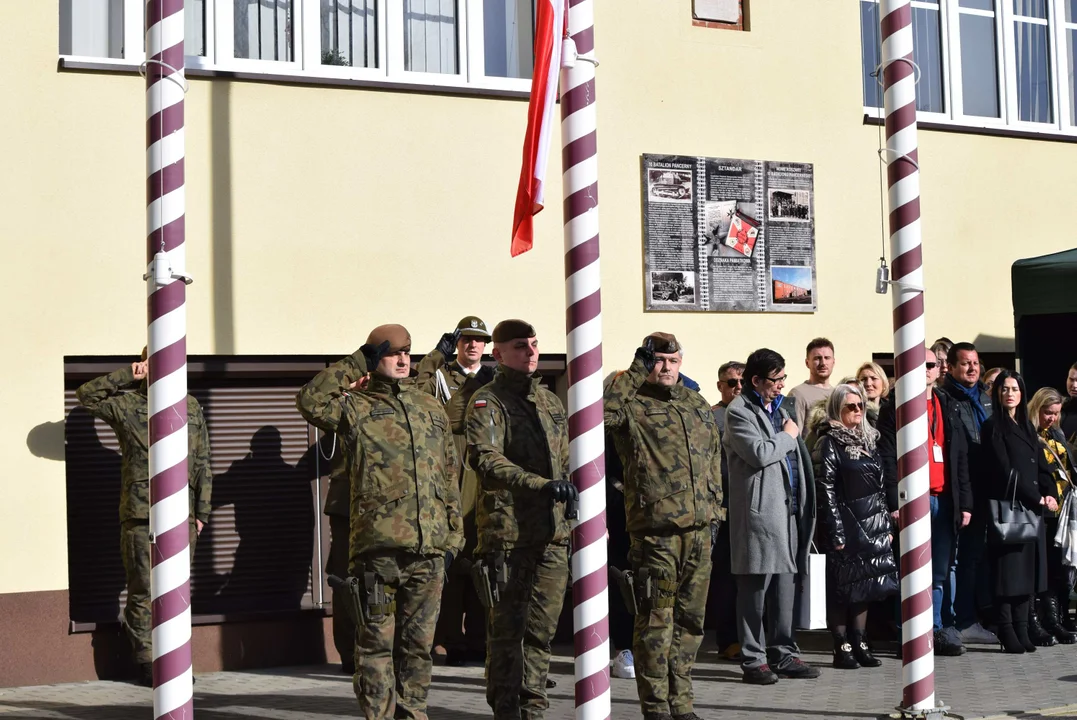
1068, 422
951, 496
972, 404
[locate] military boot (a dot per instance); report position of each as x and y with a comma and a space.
145, 674
657, 716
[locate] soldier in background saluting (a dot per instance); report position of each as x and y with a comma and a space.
405, 513
127, 413
668, 439
453, 380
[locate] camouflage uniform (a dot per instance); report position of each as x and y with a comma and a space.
668, 442
337, 502
128, 415
462, 623
517, 439
405, 516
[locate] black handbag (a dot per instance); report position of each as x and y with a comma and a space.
1011, 523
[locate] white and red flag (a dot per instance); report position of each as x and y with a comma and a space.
549, 33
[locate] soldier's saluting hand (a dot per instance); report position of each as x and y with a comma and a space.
405, 513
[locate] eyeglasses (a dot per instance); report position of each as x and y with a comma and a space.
734, 382
856, 406
777, 379
931, 365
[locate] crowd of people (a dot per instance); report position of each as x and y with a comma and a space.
451, 503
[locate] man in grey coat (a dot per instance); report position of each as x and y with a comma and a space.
771, 495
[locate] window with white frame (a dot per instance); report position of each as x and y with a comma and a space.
478, 43
986, 63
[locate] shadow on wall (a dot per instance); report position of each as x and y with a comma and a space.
47, 440
221, 218
272, 504
274, 521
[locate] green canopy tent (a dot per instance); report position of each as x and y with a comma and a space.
1045, 317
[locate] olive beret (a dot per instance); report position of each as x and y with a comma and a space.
512, 329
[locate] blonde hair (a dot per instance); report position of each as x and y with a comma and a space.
837, 400
1043, 398
874, 367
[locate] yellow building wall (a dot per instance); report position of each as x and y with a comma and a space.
315, 213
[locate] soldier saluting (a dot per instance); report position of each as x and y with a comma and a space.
517, 438
127, 413
405, 516
667, 438
453, 380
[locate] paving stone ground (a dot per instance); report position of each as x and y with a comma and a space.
983, 683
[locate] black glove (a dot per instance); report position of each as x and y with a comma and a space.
447, 344
645, 353
448, 563
561, 491
374, 354
715, 525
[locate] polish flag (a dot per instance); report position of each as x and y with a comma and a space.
549, 32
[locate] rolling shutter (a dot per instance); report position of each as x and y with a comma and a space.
255, 553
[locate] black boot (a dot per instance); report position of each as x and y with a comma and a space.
1021, 630
862, 652
1036, 631
1005, 631
843, 654
1008, 638
145, 674
1049, 618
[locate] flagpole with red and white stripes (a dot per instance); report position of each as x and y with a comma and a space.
899, 74
564, 43
170, 579
583, 298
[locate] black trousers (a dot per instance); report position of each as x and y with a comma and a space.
722, 599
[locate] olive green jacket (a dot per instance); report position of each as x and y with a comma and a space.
403, 462
517, 439
668, 440
127, 413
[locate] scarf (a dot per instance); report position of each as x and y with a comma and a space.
973, 394
857, 443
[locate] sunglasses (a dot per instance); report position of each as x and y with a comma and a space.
735, 382
857, 406
931, 365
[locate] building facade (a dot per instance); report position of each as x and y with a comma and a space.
356, 162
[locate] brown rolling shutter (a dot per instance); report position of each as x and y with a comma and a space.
255, 553
95, 570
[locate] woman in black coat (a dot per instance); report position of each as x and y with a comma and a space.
854, 527
1013, 447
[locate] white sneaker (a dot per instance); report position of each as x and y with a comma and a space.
623, 666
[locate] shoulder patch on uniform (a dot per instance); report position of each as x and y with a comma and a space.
480, 403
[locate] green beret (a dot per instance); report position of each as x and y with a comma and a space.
512, 329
